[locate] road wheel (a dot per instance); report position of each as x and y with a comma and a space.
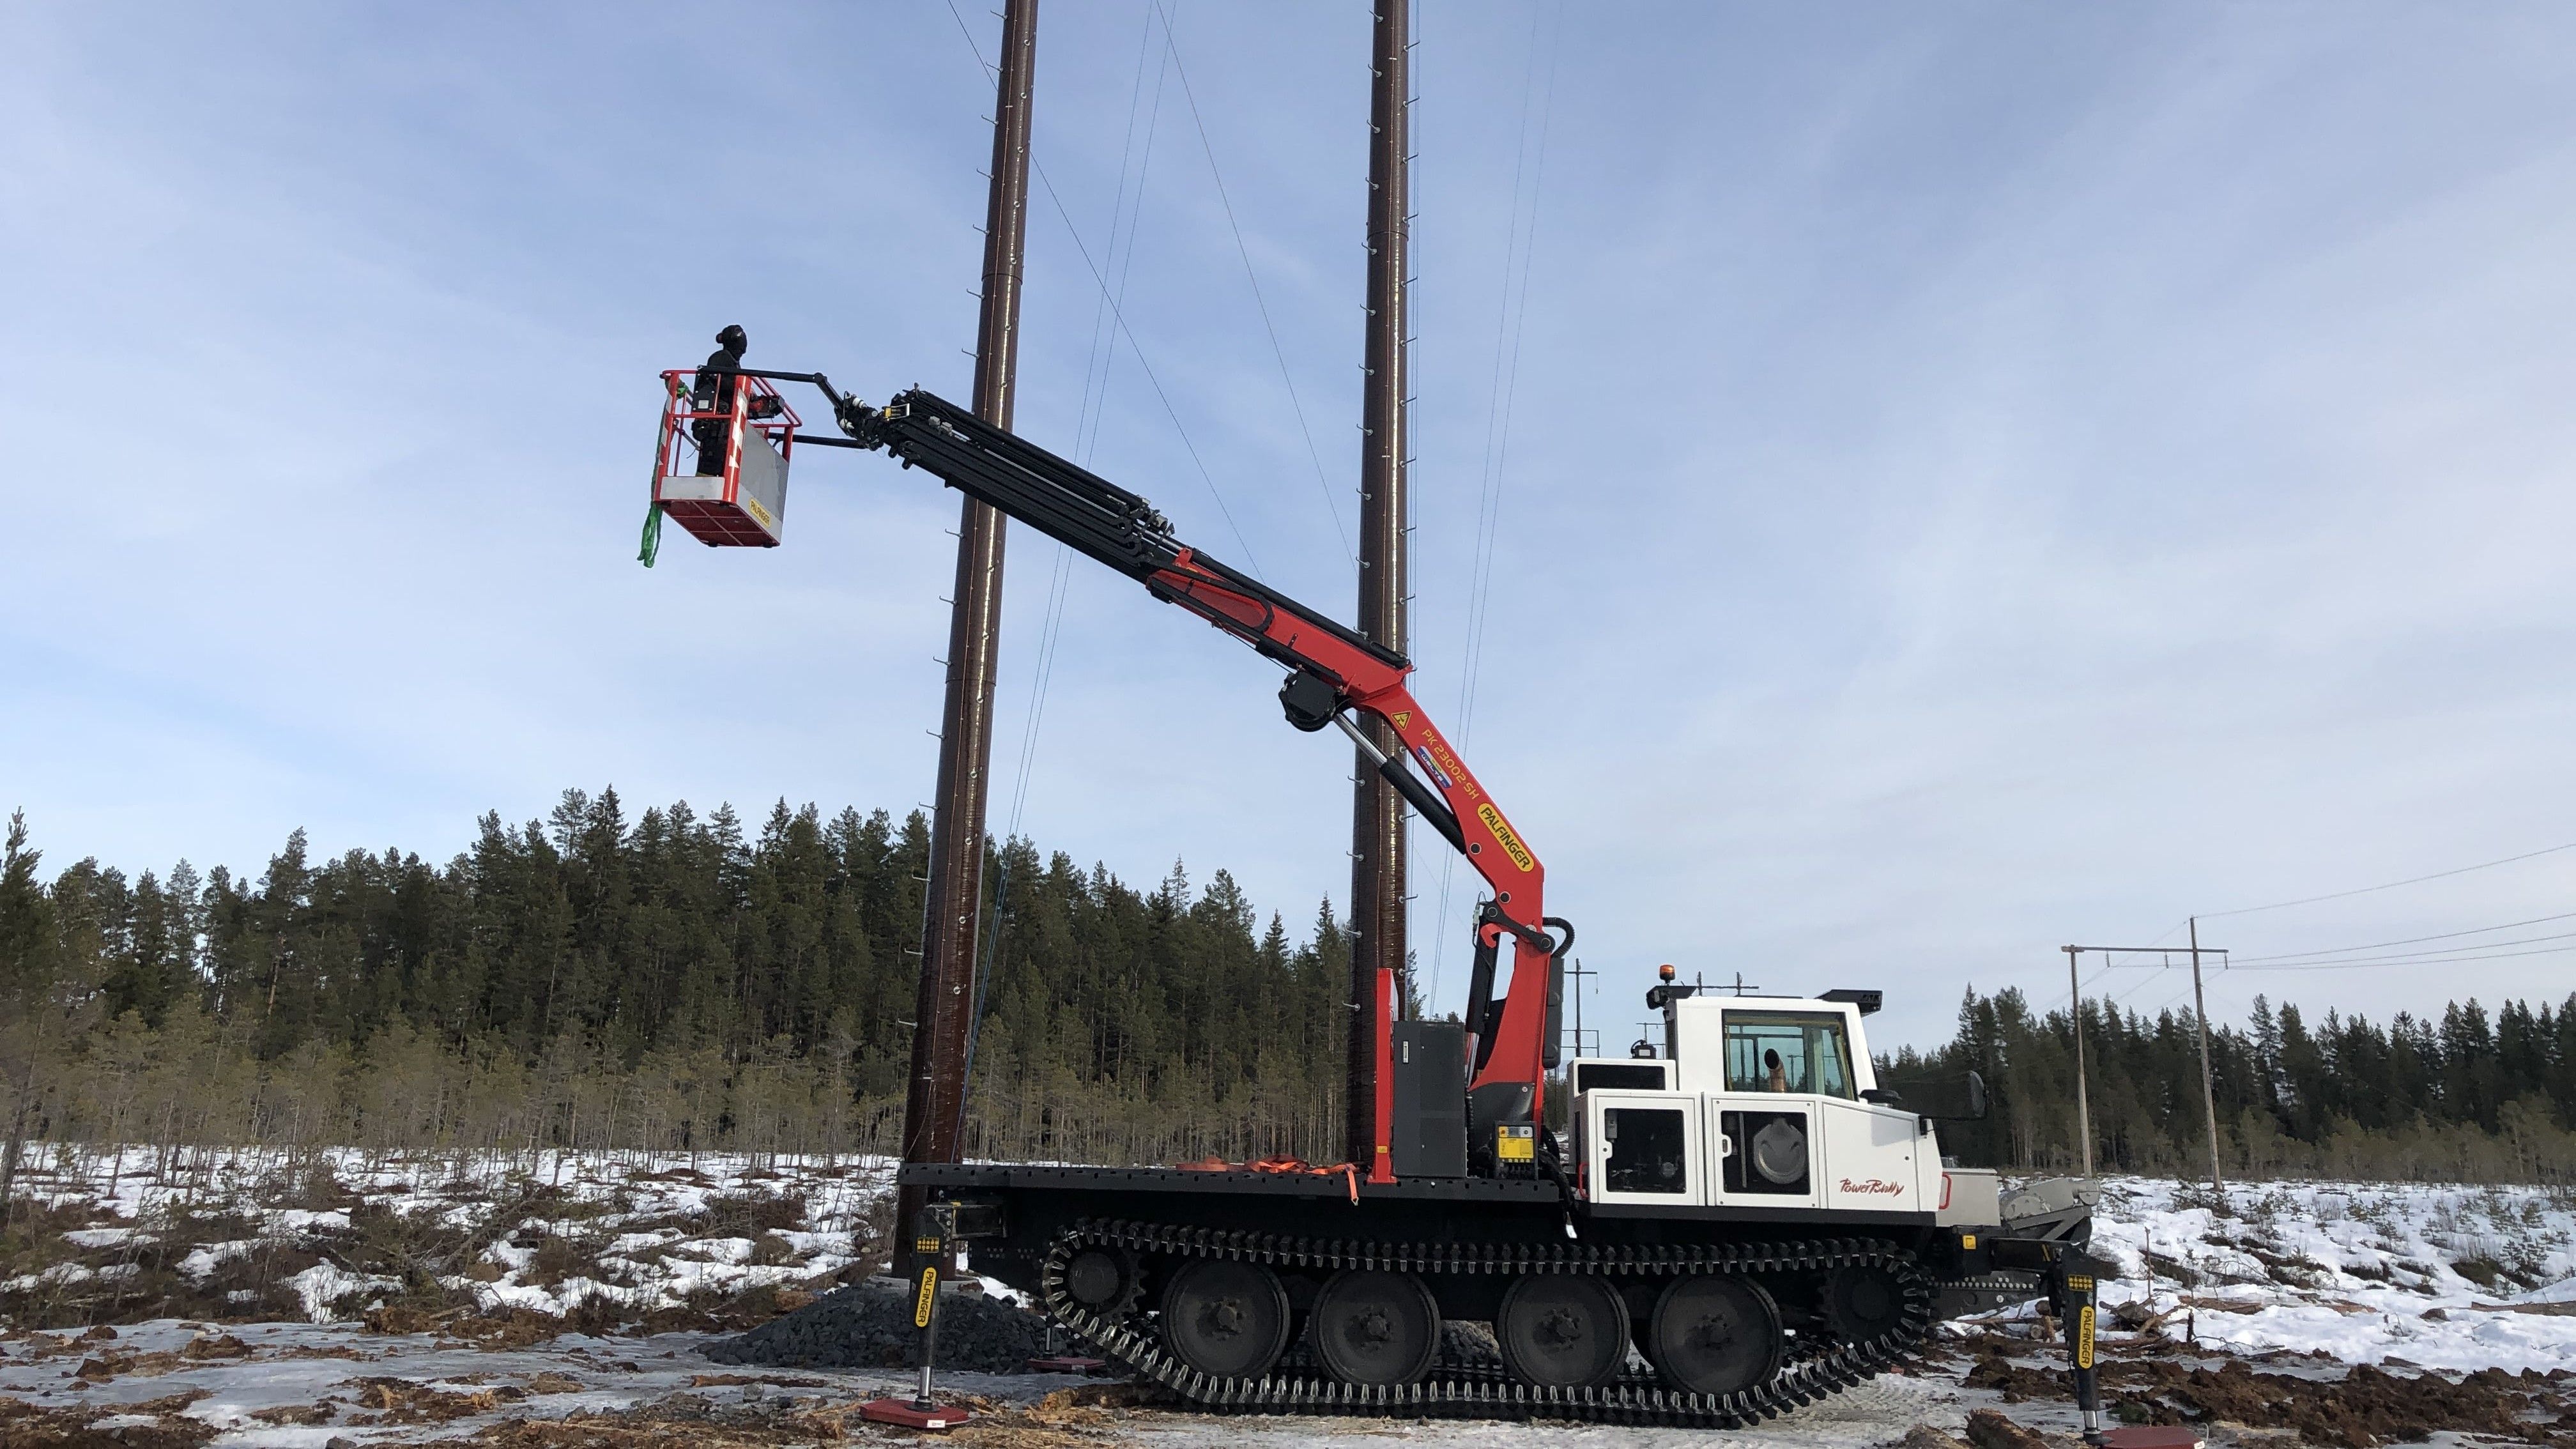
1227, 1320
1713, 1335
1563, 1330
1376, 1328
1103, 1279
1863, 1303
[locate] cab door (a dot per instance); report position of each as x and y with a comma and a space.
1643, 1149
1766, 1151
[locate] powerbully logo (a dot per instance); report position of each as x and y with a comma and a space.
1875, 1186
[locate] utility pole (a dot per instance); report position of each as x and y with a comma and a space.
2083, 1109
2208, 1094
934, 1102
1574, 979
2200, 1016
1377, 812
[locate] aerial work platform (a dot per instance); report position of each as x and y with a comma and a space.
720, 465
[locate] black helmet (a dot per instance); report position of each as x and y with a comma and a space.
733, 337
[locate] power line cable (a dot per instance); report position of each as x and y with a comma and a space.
1509, 320
2390, 886
1499, 409
1120, 315
2425, 960
2141, 984
1094, 404
1171, 44
1101, 353
2403, 941
1093, 401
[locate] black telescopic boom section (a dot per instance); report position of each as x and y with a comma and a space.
1377, 809
1063, 500
952, 912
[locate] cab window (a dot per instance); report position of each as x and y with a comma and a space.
1788, 1051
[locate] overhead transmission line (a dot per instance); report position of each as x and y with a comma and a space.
2408, 940
2281, 962
1094, 403
1171, 43
1120, 315
2390, 886
2428, 959
1511, 317
1086, 435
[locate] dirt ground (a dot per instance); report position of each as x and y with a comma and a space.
523, 1383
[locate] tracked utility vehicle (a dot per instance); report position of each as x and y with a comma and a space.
1748, 1209
1742, 1204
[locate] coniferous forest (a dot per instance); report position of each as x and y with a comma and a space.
677, 981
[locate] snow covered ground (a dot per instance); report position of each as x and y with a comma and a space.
2441, 1277
503, 1291
330, 1234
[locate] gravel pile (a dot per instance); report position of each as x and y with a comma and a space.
870, 1326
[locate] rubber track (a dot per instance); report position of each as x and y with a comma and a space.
1456, 1391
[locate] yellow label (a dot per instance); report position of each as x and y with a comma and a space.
1513, 1149
1967, 1240
758, 512
2084, 1338
925, 1245
2078, 1283
929, 1295
1511, 843
1403, 717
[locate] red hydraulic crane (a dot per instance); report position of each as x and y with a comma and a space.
1332, 672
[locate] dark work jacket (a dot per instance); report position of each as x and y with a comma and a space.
714, 385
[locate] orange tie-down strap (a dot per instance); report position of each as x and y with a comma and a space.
1298, 1166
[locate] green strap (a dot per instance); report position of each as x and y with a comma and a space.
652, 534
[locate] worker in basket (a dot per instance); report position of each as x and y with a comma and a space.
713, 392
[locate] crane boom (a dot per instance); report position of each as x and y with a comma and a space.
1332, 670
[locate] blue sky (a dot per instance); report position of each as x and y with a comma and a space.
1977, 477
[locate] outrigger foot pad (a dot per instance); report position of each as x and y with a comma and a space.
913, 1413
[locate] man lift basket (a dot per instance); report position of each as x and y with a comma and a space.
737, 497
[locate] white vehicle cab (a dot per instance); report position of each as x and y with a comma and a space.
1768, 1104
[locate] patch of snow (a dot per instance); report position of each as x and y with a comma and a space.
2351, 1269
326, 1283
105, 1237
204, 1261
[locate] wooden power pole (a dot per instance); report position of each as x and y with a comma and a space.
2083, 1107
2208, 1094
934, 1103
1377, 816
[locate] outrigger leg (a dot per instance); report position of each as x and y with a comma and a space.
934, 1237
2073, 1277
2071, 1285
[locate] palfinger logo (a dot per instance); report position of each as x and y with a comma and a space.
1511, 843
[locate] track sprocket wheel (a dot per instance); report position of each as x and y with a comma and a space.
1862, 1302
1105, 1279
